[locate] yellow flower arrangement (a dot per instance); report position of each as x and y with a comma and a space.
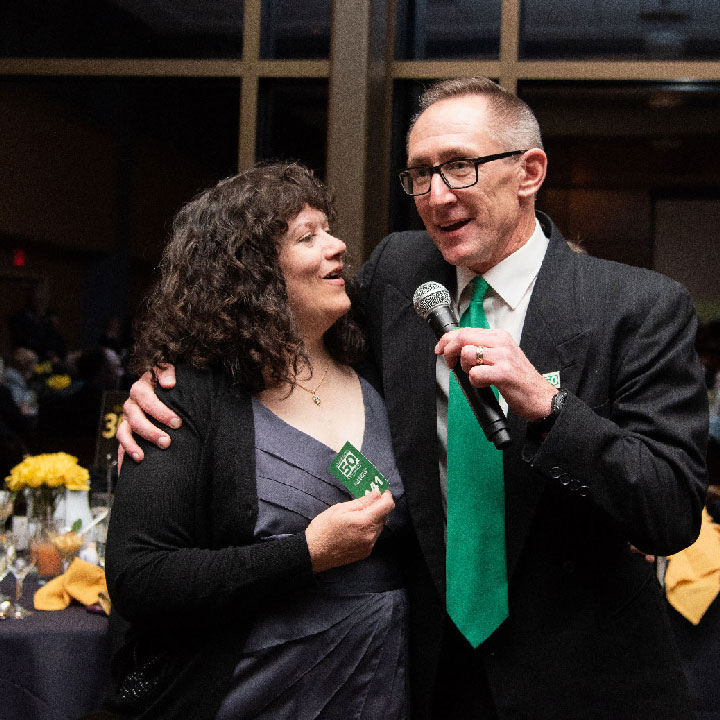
58, 382
43, 368
52, 469
45, 476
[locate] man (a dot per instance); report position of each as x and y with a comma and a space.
573, 624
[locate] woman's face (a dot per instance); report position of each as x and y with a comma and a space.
311, 260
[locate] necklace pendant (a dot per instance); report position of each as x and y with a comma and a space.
316, 399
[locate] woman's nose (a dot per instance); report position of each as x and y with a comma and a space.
334, 246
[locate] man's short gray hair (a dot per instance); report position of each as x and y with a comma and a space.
514, 125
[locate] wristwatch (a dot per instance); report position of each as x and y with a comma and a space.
556, 405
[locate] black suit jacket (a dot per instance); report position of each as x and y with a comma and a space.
587, 635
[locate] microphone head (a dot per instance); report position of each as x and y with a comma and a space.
428, 296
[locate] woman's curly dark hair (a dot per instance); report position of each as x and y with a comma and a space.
221, 298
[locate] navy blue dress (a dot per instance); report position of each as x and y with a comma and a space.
337, 650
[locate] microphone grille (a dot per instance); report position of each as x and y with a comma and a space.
429, 296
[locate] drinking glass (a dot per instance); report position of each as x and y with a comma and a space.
4, 569
6, 507
48, 563
21, 562
67, 543
100, 504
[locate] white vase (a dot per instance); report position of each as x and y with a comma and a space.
75, 505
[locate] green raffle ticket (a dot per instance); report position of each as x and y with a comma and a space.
356, 472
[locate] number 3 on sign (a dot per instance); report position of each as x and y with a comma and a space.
111, 421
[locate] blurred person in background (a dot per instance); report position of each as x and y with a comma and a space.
18, 372
36, 327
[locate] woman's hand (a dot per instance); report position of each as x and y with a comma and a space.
144, 400
346, 532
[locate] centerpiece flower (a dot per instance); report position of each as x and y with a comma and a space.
45, 477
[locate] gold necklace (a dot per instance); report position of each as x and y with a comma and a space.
314, 394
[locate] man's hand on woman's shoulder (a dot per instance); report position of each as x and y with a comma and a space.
143, 402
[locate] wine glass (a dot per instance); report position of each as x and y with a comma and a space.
4, 569
21, 562
6, 507
7, 501
67, 543
100, 504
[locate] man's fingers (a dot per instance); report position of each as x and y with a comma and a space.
453, 344
140, 425
142, 392
475, 355
166, 376
127, 444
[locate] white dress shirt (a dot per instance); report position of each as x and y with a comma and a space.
511, 281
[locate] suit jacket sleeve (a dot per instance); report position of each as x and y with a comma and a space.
639, 451
181, 532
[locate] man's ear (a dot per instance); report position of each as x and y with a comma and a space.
534, 166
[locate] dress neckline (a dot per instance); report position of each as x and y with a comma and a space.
259, 406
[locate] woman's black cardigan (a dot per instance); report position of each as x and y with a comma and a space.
183, 569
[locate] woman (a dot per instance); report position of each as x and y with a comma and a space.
254, 587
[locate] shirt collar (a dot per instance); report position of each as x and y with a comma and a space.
511, 277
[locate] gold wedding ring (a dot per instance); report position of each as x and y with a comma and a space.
479, 352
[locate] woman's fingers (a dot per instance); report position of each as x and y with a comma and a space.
346, 532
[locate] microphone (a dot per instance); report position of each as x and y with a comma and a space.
432, 302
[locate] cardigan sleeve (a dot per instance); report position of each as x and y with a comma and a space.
168, 556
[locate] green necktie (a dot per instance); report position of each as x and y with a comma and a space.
476, 571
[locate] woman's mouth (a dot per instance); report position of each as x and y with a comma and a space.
335, 276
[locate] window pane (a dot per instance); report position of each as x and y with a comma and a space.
444, 29
402, 207
628, 29
292, 29
615, 150
121, 28
94, 170
292, 121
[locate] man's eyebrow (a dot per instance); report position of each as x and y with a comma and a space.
454, 153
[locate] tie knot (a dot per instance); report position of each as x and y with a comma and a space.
479, 289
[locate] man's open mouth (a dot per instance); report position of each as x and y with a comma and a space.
455, 226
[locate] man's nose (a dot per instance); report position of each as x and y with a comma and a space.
440, 193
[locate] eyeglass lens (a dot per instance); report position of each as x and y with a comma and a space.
457, 174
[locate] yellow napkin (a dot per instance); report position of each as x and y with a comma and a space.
692, 579
82, 581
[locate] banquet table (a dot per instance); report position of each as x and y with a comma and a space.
53, 665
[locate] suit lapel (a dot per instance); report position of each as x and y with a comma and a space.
409, 383
552, 342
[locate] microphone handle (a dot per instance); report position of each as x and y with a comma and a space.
487, 410
482, 400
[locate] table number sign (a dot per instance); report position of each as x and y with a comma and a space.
110, 417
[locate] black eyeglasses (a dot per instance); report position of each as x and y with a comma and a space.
456, 174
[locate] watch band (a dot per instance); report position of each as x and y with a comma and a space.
556, 405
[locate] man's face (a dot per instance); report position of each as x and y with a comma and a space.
475, 227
